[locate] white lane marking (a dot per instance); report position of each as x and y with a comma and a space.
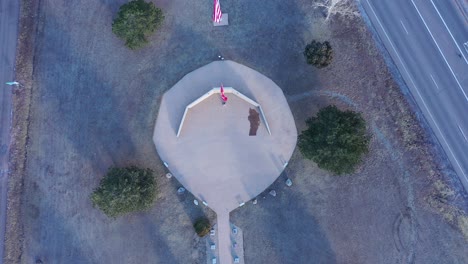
445, 24
419, 94
441, 53
434, 82
403, 25
461, 130
440, 132
466, 46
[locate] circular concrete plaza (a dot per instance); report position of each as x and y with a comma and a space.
214, 153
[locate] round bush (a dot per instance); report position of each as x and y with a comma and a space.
336, 140
319, 54
124, 190
202, 226
135, 21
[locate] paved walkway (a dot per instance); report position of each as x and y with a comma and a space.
224, 240
9, 11
214, 157
236, 242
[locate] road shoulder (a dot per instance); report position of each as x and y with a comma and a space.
19, 132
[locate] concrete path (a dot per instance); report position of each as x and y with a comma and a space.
227, 243
224, 240
9, 11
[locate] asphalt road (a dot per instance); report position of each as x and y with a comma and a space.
425, 39
9, 11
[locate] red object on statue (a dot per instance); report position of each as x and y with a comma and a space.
223, 97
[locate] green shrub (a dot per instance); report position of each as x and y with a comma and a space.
135, 21
124, 190
319, 54
202, 226
336, 140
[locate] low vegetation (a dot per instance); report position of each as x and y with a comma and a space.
135, 21
202, 226
125, 190
336, 140
319, 54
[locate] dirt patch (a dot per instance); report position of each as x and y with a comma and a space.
254, 119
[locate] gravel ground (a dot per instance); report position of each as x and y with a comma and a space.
94, 105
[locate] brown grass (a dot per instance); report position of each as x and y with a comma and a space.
20, 124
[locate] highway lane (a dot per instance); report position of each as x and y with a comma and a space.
9, 11
457, 30
444, 38
425, 40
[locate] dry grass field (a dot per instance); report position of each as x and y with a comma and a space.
94, 104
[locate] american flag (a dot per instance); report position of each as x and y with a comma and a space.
223, 97
217, 12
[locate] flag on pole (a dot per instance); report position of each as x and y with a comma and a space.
217, 12
223, 97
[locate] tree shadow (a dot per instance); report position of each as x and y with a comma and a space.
280, 229
94, 110
293, 77
84, 122
56, 229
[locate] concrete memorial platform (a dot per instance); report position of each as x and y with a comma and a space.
216, 156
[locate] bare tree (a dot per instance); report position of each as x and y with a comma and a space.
342, 7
